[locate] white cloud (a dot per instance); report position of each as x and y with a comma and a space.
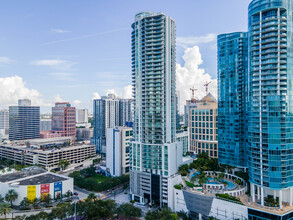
190, 75
187, 42
63, 76
111, 91
6, 60
14, 88
76, 102
127, 92
59, 31
96, 96
57, 98
57, 64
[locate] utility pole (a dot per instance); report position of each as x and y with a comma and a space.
207, 86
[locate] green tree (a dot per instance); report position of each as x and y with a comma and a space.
11, 196
42, 215
1, 199
5, 209
47, 199
60, 212
183, 215
25, 203
164, 214
36, 202
91, 197
62, 164
68, 194
129, 211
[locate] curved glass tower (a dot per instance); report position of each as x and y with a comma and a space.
270, 124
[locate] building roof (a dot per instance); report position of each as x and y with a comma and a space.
27, 172
43, 179
208, 98
31, 176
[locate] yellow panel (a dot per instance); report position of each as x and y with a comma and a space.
31, 192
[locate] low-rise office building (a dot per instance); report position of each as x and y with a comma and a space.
46, 152
35, 182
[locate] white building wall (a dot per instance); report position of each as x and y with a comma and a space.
22, 190
224, 210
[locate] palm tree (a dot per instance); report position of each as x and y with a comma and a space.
1, 199
11, 196
63, 164
5, 209
91, 197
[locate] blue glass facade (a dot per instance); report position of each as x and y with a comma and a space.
99, 138
270, 124
24, 122
232, 98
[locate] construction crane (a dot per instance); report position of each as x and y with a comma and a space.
207, 86
193, 90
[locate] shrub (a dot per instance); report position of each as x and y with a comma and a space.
189, 184
177, 187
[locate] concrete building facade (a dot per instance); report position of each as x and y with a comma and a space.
203, 122
63, 119
117, 150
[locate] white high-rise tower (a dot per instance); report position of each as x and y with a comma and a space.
154, 149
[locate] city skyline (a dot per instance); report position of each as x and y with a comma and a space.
67, 58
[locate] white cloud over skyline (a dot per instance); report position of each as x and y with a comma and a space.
56, 64
191, 75
13, 88
6, 60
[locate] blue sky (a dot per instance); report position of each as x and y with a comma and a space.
69, 50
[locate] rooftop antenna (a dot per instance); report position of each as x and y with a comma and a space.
207, 86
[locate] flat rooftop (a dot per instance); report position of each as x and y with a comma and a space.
43, 179
31, 176
20, 175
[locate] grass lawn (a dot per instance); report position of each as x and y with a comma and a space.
99, 178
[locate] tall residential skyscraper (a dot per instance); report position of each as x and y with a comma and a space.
153, 156
232, 98
24, 121
270, 127
63, 119
125, 111
109, 112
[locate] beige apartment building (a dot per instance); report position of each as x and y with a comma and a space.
203, 122
46, 152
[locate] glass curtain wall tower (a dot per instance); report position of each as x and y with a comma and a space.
270, 127
153, 155
232, 98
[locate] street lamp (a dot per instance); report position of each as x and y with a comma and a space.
77, 198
